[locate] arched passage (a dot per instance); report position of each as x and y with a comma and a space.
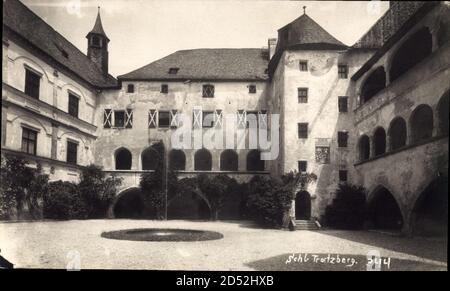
364, 148
303, 205
383, 210
254, 162
379, 141
421, 123
130, 204
123, 159
202, 160
412, 51
397, 133
177, 160
374, 83
442, 111
430, 212
229, 160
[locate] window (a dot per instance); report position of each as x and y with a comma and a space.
32, 82
208, 119
173, 71
374, 83
254, 162
303, 130
228, 160
123, 159
119, 118
343, 175
107, 118
302, 95
251, 119
150, 158
252, 89
164, 88
342, 139
208, 91
202, 160
73, 105
379, 141
343, 104
397, 133
164, 119
342, 71
96, 41
72, 152
303, 66
130, 88
364, 148
177, 160
302, 166
29, 141
421, 121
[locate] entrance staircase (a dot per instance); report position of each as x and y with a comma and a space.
306, 225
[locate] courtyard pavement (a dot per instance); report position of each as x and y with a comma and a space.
55, 244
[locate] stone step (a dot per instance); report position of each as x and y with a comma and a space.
305, 225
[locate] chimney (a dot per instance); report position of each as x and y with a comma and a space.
272, 47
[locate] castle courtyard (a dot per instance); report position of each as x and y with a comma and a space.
73, 243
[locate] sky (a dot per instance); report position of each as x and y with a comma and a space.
142, 31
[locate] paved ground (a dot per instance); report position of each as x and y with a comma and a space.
53, 244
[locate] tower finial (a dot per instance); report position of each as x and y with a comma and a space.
304, 9
98, 9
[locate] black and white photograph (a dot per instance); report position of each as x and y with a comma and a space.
224, 136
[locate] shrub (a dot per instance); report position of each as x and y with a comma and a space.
63, 201
348, 208
268, 199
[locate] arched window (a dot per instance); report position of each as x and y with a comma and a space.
364, 148
177, 160
442, 110
123, 159
421, 123
203, 160
228, 160
373, 84
397, 133
379, 141
254, 162
411, 52
150, 158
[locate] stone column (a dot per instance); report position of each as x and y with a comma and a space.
4, 123
54, 141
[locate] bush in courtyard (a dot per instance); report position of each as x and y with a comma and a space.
268, 198
97, 190
348, 208
63, 201
21, 188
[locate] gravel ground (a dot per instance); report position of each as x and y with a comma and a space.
52, 244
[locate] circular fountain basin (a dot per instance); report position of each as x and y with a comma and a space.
162, 234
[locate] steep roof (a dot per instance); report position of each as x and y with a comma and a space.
305, 31
34, 31
394, 18
98, 27
206, 64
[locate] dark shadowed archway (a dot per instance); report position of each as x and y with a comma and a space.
379, 141
188, 206
254, 162
430, 213
303, 206
373, 84
421, 123
123, 159
397, 133
442, 111
130, 204
383, 211
364, 148
416, 48
202, 160
228, 160
150, 158
177, 160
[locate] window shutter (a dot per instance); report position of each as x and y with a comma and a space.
242, 119
129, 118
174, 122
152, 118
197, 121
107, 118
262, 119
218, 118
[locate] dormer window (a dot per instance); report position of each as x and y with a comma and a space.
252, 89
173, 71
208, 91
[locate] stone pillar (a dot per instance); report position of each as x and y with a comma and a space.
54, 141
5, 47
55, 89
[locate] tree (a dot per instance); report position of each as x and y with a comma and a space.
348, 208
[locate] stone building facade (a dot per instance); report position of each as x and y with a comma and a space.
365, 114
